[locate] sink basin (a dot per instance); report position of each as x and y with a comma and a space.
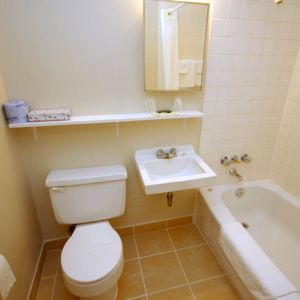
185, 171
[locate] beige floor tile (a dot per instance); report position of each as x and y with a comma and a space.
130, 283
61, 292
215, 289
51, 263
153, 242
45, 289
162, 272
186, 236
150, 227
129, 247
180, 221
182, 293
199, 263
125, 231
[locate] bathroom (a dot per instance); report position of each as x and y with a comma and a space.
89, 57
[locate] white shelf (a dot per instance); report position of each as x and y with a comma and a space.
119, 118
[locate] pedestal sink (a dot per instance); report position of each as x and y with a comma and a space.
185, 171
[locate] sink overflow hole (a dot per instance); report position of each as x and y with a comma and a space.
245, 225
170, 199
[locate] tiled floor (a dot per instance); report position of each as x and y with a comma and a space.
163, 264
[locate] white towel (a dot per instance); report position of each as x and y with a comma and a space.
263, 279
199, 71
168, 49
187, 74
199, 66
7, 278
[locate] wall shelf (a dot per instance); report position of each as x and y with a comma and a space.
118, 118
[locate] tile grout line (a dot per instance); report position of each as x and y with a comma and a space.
168, 289
185, 276
165, 252
140, 265
55, 278
178, 286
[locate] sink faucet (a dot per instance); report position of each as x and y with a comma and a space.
161, 154
234, 172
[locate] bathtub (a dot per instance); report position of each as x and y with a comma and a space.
271, 220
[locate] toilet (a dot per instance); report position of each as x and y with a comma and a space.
92, 259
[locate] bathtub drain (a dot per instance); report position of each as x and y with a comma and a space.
245, 225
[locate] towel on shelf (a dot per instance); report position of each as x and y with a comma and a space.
199, 71
187, 74
7, 278
260, 275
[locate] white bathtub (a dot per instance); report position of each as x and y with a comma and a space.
273, 217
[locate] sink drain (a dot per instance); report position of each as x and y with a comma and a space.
245, 225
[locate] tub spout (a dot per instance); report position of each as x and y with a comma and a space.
234, 172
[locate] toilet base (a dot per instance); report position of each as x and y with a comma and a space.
111, 294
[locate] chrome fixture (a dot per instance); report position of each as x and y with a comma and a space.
246, 158
240, 192
161, 154
235, 159
235, 173
171, 10
225, 161
170, 199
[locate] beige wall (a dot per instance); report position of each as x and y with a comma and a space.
20, 236
87, 56
286, 160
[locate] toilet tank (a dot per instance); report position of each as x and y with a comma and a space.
87, 194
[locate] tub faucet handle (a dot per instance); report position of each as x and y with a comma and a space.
225, 161
235, 159
246, 158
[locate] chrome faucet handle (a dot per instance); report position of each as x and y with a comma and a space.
225, 161
173, 151
160, 153
246, 158
235, 159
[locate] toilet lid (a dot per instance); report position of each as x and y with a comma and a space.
91, 253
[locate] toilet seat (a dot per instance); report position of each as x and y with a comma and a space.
92, 253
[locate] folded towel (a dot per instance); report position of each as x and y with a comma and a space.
263, 279
187, 73
7, 278
199, 66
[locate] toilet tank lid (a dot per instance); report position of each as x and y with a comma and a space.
85, 175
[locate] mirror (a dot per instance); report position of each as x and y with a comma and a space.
175, 41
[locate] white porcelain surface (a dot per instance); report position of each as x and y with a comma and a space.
271, 213
91, 253
88, 194
85, 175
186, 171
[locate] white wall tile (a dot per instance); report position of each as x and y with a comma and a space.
252, 52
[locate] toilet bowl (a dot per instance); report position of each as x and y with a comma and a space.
92, 261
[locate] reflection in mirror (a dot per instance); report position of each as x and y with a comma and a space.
175, 40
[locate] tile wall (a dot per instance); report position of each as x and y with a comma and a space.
286, 160
252, 52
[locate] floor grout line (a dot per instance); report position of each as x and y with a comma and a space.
168, 289
185, 276
55, 278
139, 261
209, 278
